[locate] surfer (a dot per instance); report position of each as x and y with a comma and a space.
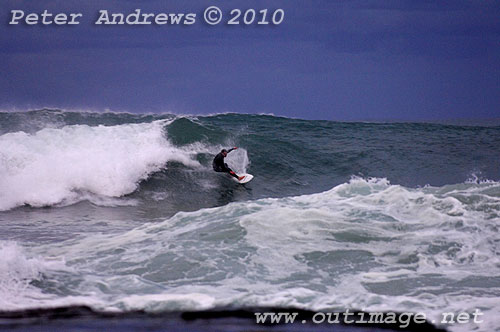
219, 165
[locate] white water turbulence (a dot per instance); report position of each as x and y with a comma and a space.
18, 272
69, 164
364, 244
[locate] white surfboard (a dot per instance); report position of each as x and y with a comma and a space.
247, 178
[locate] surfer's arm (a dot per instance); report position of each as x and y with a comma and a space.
232, 149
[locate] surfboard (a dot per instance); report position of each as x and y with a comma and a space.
247, 178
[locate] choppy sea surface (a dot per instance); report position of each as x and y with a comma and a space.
123, 212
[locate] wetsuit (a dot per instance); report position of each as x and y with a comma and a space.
219, 165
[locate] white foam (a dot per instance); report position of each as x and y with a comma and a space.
165, 302
61, 166
365, 244
17, 271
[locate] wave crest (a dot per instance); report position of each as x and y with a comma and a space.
63, 166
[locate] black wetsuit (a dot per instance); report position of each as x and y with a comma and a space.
219, 165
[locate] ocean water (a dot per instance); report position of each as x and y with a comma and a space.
123, 212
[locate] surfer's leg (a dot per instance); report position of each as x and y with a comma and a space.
239, 178
231, 172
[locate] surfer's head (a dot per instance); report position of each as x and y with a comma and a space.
224, 152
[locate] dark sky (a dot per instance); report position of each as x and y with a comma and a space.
338, 60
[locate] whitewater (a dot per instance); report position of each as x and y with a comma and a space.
122, 212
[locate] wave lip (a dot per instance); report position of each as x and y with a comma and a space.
63, 166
